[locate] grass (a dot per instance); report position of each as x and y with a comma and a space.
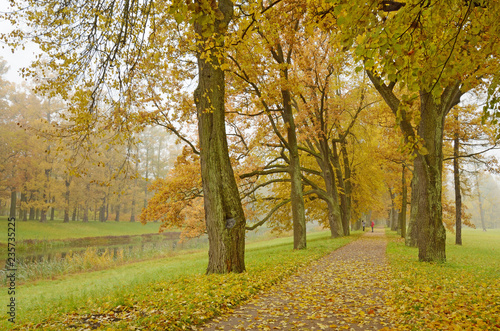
91, 259
57, 230
461, 294
165, 293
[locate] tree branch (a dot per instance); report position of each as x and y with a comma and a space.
268, 216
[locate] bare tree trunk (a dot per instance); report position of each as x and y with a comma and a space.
85, 213
394, 212
404, 202
147, 178
132, 211
481, 210
458, 194
347, 184
428, 184
67, 183
43, 215
331, 197
86, 207
223, 210
32, 213
118, 205
13, 203
52, 209
24, 210
345, 214
102, 210
298, 208
412, 232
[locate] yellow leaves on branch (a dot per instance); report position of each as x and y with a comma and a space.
177, 201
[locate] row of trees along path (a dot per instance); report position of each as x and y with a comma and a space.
344, 290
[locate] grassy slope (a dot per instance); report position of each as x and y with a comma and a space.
136, 286
57, 230
463, 293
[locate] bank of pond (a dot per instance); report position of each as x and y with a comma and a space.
45, 259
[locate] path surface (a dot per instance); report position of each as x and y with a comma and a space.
342, 291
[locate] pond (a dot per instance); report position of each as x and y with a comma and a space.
45, 259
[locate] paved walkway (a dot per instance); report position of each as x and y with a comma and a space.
342, 291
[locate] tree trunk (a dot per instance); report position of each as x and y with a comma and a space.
426, 210
107, 210
224, 215
102, 210
85, 213
52, 210
412, 232
481, 210
402, 216
24, 210
118, 205
66, 200
32, 213
394, 212
297, 197
332, 199
458, 194
347, 183
132, 211
147, 178
334, 219
95, 210
45, 198
43, 215
73, 217
13, 203
428, 167
395, 219
344, 213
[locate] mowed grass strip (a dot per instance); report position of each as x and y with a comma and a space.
461, 294
163, 294
57, 230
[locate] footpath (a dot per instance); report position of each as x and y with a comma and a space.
345, 290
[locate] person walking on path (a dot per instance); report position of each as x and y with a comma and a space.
364, 226
373, 224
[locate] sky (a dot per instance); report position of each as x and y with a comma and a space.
20, 58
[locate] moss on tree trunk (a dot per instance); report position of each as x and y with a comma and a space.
224, 215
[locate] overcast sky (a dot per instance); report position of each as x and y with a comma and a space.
18, 59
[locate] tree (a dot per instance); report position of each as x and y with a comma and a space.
268, 81
434, 54
471, 140
100, 44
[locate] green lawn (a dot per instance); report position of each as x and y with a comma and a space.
461, 294
175, 286
57, 230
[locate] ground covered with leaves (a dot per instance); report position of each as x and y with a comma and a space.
352, 288
461, 294
344, 291
190, 300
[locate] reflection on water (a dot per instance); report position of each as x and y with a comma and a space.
43, 261
143, 248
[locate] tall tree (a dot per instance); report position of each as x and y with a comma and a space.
115, 39
433, 54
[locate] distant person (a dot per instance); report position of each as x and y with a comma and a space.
364, 226
373, 224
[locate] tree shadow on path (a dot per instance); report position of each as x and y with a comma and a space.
345, 290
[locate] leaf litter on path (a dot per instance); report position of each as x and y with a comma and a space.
345, 290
